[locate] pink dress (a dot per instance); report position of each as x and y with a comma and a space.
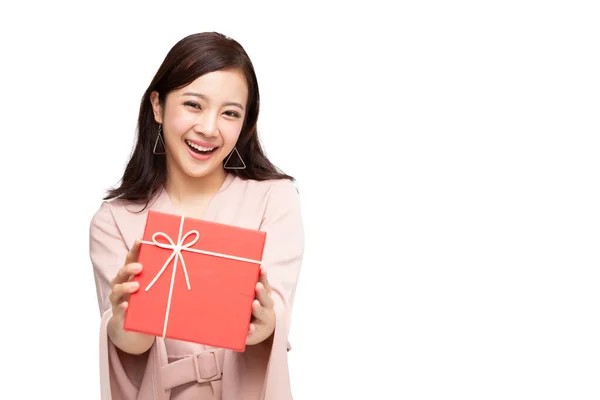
180, 370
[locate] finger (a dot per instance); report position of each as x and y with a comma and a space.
126, 273
115, 295
132, 256
121, 296
120, 308
257, 333
133, 269
263, 296
121, 290
258, 311
251, 336
254, 330
263, 279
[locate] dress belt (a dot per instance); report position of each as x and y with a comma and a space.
199, 367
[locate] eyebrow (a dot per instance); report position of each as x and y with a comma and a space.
206, 99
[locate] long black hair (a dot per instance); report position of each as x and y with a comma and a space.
190, 58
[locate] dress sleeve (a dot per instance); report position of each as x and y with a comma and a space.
263, 368
284, 247
107, 253
122, 376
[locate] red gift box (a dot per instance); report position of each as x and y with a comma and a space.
197, 282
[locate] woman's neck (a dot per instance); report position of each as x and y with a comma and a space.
184, 189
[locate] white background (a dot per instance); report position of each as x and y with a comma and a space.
447, 155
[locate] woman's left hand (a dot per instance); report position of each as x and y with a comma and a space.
262, 324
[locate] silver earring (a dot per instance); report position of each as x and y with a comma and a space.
231, 166
159, 146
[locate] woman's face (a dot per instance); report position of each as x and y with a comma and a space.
201, 122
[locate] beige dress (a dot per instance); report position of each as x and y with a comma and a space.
180, 370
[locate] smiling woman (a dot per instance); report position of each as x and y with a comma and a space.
198, 155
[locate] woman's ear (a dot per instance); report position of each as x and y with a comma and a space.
154, 100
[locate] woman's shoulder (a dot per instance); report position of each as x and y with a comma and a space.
127, 218
118, 220
272, 190
117, 207
267, 185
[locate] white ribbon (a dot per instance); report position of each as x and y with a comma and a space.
176, 254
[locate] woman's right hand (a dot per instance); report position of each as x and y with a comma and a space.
123, 284
121, 288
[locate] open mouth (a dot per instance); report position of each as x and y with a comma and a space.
199, 149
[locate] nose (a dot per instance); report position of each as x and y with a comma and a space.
207, 125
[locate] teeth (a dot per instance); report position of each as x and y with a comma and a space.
199, 147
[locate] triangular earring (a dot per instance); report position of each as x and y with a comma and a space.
234, 165
159, 145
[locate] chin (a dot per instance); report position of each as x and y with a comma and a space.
200, 166
202, 172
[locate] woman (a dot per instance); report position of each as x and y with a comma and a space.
198, 155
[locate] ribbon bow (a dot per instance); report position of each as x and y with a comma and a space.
181, 245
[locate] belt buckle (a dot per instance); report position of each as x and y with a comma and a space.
206, 366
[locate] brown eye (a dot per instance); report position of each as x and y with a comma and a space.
232, 114
192, 104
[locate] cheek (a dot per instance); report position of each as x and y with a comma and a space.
180, 123
231, 133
